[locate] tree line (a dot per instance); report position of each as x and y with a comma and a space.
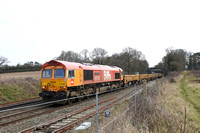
179, 60
130, 59
26, 67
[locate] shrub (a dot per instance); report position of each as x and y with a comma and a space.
172, 80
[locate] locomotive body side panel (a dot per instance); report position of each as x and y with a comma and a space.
97, 76
74, 78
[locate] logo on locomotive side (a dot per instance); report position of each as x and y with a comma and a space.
107, 75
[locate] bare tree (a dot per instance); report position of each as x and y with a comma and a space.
3, 60
193, 61
84, 55
69, 56
175, 59
130, 60
134, 61
98, 55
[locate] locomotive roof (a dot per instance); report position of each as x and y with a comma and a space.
84, 66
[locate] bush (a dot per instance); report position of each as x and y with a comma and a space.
172, 80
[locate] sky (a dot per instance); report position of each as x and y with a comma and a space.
38, 30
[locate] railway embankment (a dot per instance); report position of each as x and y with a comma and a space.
18, 88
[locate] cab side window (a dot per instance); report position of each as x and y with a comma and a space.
70, 74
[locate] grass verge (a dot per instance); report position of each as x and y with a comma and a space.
18, 89
191, 95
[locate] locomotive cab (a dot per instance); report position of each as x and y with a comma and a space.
53, 82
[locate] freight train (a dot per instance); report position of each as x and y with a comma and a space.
61, 79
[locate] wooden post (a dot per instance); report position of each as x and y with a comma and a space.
145, 88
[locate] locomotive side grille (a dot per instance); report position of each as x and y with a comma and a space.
117, 75
88, 74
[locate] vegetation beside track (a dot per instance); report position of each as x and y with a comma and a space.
173, 108
190, 92
19, 89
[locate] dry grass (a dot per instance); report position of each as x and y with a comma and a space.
19, 85
18, 89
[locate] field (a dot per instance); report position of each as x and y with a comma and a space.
20, 75
19, 86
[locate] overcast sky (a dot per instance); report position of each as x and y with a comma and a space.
38, 30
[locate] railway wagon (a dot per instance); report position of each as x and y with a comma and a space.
61, 79
151, 76
131, 79
159, 75
144, 77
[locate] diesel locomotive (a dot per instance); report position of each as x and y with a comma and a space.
62, 79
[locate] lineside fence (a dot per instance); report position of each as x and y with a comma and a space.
145, 113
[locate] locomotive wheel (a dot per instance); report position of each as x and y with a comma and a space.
78, 99
69, 102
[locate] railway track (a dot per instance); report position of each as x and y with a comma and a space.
20, 101
46, 109
23, 115
30, 113
20, 105
68, 121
